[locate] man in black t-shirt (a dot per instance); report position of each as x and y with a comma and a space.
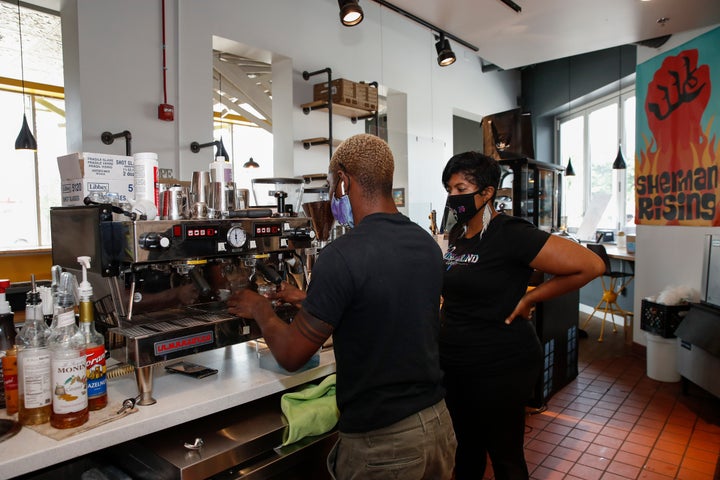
376, 290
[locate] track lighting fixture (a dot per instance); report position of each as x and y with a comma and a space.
445, 54
251, 164
25, 139
350, 12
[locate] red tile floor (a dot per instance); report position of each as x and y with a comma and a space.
613, 423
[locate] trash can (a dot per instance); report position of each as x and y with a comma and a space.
662, 358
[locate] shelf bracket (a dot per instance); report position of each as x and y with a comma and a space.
306, 75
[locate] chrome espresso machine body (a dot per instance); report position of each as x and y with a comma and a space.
166, 281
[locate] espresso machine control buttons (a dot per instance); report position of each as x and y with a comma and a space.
236, 236
153, 240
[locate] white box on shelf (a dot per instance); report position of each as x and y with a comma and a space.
83, 173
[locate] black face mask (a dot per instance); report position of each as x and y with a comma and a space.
463, 206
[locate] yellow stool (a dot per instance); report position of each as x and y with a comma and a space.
617, 282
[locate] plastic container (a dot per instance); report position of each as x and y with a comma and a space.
147, 185
662, 358
221, 171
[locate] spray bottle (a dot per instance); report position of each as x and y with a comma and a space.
94, 343
68, 361
33, 363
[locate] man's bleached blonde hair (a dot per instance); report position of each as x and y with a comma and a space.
369, 160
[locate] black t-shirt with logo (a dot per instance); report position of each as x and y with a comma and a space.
379, 286
484, 279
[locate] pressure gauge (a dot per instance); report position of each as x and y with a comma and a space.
236, 236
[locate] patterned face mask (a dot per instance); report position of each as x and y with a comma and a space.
341, 208
463, 206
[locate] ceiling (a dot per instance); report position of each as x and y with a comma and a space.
550, 29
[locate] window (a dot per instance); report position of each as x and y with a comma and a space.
30, 183
589, 136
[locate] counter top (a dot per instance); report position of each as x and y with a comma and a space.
179, 398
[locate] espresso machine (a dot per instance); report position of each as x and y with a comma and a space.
161, 285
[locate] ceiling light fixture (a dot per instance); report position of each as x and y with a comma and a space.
25, 139
433, 28
251, 164
350, 12
619, 163
569, 170
445, 54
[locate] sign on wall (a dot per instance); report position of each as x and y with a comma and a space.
677, 178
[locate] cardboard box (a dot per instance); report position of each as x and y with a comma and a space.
348, 93
84, 173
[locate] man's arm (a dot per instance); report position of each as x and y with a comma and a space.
291, 344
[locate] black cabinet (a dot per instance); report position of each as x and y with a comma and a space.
556, 324
532, 190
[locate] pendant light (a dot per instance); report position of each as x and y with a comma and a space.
251, 164
25, 140
619, 163
569, 170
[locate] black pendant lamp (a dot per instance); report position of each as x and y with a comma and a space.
619, 163
25, 139
569, 170
251, 164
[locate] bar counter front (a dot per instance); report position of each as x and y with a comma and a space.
180, 399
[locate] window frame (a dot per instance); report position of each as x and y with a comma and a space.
584, 110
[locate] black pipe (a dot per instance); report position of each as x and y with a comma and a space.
108, 138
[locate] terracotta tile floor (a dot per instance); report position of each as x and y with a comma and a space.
613, 423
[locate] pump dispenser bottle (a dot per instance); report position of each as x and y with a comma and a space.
33, 363
67, 351
94, 343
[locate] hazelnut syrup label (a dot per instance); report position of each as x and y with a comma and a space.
96, 372
69, 384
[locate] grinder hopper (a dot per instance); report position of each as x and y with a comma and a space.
322, 218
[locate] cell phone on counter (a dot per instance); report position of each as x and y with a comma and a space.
192, 369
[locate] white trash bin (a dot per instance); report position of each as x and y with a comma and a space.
662, 358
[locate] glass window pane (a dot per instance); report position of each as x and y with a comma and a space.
18, 198
571, 147
50, 118
629, 151
603, 147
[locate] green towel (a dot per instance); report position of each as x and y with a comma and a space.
312, 410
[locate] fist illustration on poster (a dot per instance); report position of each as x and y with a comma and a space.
676, 100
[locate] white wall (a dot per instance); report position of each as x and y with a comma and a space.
115, 80
666, 255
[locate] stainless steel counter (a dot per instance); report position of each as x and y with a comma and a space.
180, 399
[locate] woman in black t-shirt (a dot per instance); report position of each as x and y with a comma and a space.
489, 350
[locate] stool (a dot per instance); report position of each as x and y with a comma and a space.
617, 282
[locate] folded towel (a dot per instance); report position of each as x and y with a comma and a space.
312, 410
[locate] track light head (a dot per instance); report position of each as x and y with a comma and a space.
350, 12
445, 54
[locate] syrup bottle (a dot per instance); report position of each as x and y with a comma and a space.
68, 361
33, 363
94, 343
7, 333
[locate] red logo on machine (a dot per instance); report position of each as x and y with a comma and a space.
183, 343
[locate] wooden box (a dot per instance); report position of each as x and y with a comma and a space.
348, 93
